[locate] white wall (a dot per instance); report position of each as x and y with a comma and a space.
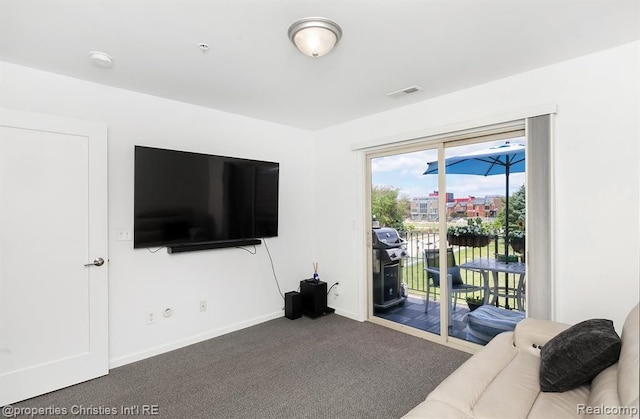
596, 177
596, 173
239, 287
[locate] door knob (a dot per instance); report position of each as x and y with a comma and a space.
96, 262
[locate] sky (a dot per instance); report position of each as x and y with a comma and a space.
405, 172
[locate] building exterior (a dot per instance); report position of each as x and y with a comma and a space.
472, 207
425, 208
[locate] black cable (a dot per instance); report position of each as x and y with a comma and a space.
332, 287
272, 268
255, 250
155, 251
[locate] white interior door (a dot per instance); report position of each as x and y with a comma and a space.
53, 221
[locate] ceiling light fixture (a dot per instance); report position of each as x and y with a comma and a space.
315, 36
101, 59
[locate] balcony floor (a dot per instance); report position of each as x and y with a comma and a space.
412, 314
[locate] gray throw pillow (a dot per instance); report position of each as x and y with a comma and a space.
576, 355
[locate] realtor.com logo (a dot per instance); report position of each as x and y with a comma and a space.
583, 409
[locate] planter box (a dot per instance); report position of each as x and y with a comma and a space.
517, 244
469, 240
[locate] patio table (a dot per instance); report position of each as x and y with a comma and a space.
486, 265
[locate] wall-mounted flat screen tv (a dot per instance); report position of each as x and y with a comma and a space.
183, 198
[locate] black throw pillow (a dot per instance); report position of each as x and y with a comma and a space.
456, 277
576, 355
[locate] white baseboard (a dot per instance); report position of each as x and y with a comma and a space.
157, 350
350, 315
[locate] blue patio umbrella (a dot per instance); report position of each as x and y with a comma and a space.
499, 160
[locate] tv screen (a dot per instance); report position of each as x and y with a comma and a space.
187, 198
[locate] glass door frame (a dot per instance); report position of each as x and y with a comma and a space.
439, 143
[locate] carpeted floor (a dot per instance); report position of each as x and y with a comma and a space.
330, 367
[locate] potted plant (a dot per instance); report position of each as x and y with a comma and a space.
474, 302
474, 234
510, 258
517, 238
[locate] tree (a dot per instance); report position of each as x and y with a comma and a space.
517, 210
387, 208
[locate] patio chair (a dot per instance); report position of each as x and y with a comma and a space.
458, 286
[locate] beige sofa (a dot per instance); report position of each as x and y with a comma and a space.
502, 381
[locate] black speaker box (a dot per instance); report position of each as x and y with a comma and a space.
314, 297
292, 305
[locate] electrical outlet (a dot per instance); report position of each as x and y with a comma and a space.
152, 317
203, 305
336, 290
123, 235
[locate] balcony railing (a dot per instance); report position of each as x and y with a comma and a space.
414, 275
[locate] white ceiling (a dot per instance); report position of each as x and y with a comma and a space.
253, 69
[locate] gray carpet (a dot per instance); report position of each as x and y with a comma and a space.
330, 367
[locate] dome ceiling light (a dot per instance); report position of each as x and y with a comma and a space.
315, 36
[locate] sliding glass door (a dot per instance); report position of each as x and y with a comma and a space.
458, 209
405, 200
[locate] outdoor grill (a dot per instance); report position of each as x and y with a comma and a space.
388, 251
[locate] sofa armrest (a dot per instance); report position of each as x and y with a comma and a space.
530, 334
